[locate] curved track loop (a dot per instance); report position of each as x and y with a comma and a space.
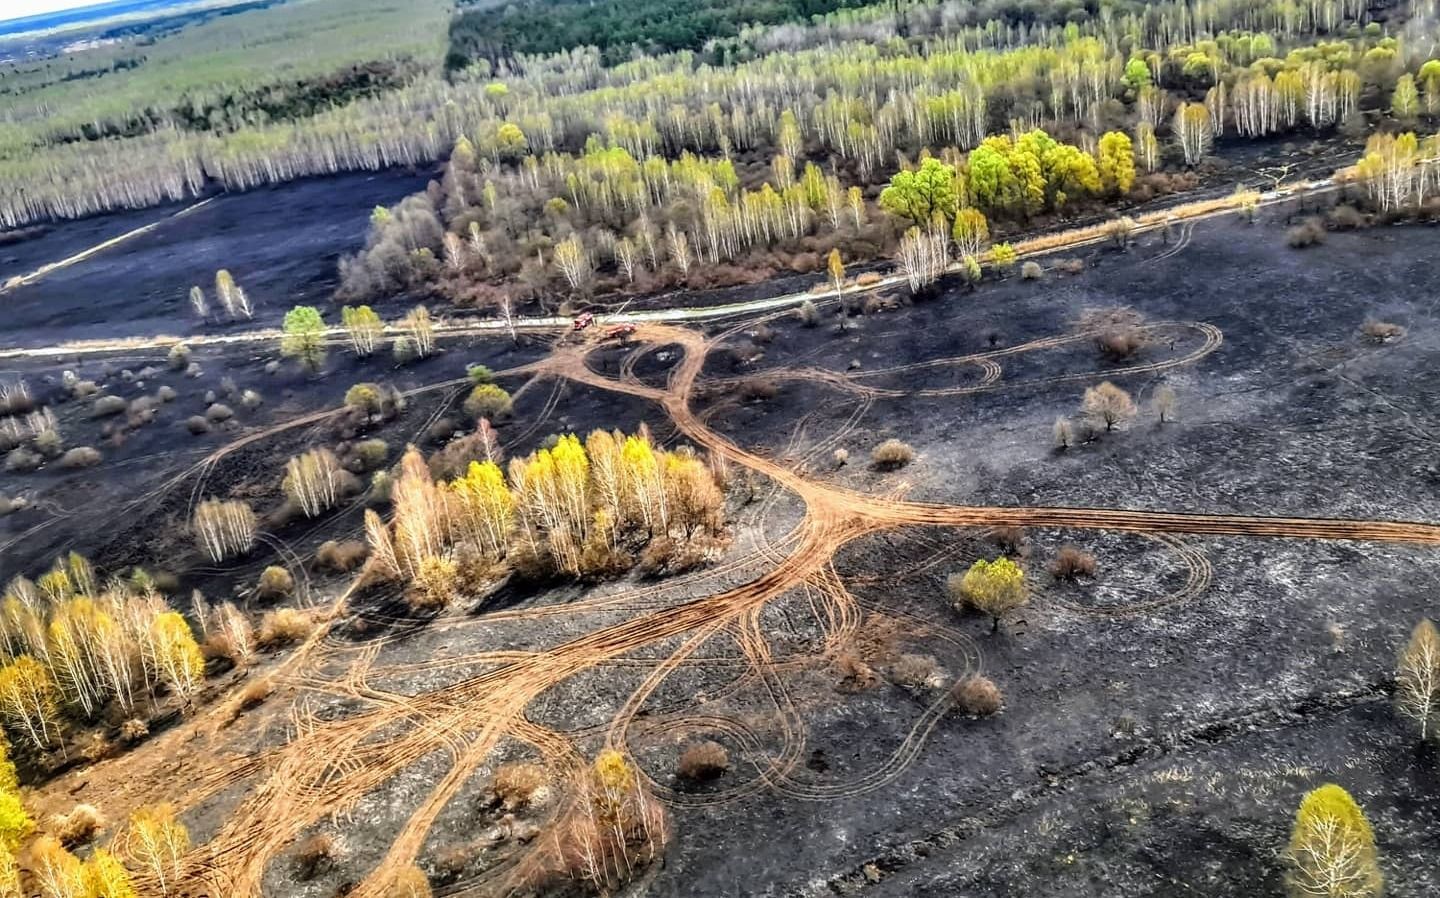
328, 766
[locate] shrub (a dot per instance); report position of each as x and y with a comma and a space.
1009, 538
9, 505
434, 584
703, 761
990, 587
1381, 331
1031, 271
755, 389
282, 627
371, 454
218, 412
892, 454
1071, 563
224, 527
487, 401
518, 784
179, 357
1163, 403
106, 406
315, 855
341, 557
841, 456
1347, 218
80, 826
197, 425
80, 457
914, 672
1120, 230
84, 388
254, 694
855, 674
1310, 232
366, 398
977, 696
1118, 345
21, 460
48, 443
867, 279
275, 583
808, 314
479, 374
133, 730
1069, 266
251, 400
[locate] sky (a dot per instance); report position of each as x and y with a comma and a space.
19, 9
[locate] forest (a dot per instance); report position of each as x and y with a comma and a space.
617, 28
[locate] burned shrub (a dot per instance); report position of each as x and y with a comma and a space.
22, 460
915, 672
282, 627
703, 762
275, 583
80, 457
519, 784
80, 826
1031, 271
197, 425
1346, 218
757, 390
855, 674
1121, 344
218, 413
1310, 232
1071, 564
106, 406
891, 454
808, 314
1381, 331
341, 557
315, 855
1009, 538
255, 693
977, 696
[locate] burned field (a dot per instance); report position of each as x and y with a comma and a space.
807, 707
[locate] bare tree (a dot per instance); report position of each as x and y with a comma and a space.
1417, 679
1108, 404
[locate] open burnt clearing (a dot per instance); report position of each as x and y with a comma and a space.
281, 244
1161, 720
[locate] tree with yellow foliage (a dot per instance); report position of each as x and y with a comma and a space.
15, 823
971, 231
483, 508
106, 877
176, 655
57, 872
28, 699
9, 875
1116, 162
1332, 848
156, 842
990, 587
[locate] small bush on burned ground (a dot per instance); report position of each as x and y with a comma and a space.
1347, 218
757, 390
315, 856
1120, 344
340, 556
1010, 539
855, 674
1382, 331
977, 696
1310, 232
914, 672
1071, 564
520, 784
255, 693
275, 583
892, 454
282, 627
702, 762
80, 826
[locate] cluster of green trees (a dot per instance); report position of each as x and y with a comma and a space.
1191, 70
617, 28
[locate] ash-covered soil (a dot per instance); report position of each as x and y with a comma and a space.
281, 243
1161, 720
